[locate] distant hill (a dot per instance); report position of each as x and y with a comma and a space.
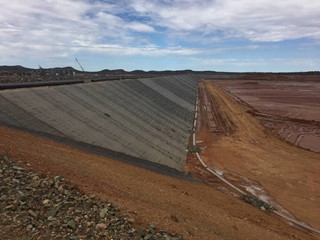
63, 68
21, 69
15, 69
112, 72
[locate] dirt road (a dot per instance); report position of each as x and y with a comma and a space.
289, 174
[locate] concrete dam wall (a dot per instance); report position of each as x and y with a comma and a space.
146, 118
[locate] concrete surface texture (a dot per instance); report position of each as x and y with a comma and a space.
150, 118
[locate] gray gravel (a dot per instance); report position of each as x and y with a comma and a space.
45, 208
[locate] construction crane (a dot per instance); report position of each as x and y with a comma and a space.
86, 80
79, 64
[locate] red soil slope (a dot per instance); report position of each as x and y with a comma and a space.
192, 209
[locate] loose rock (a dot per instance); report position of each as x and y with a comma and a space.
71, 224
47, 208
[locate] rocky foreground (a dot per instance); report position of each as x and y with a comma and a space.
33, 206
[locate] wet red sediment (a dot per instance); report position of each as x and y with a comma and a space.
290, 108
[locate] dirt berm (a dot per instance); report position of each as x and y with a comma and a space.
288, 173
189, 208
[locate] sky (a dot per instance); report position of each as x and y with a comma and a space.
217, 35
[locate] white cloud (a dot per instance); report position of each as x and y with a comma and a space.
61, 29
116, 50
140, 27
260, 64
259, 20
44, 28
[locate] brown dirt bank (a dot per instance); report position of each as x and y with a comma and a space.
192, 209
289, 174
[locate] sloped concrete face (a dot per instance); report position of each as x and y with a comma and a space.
149, 119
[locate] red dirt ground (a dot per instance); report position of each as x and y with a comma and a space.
148, 197
235, 142
289, 108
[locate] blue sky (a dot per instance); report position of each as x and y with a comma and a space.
218, 35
